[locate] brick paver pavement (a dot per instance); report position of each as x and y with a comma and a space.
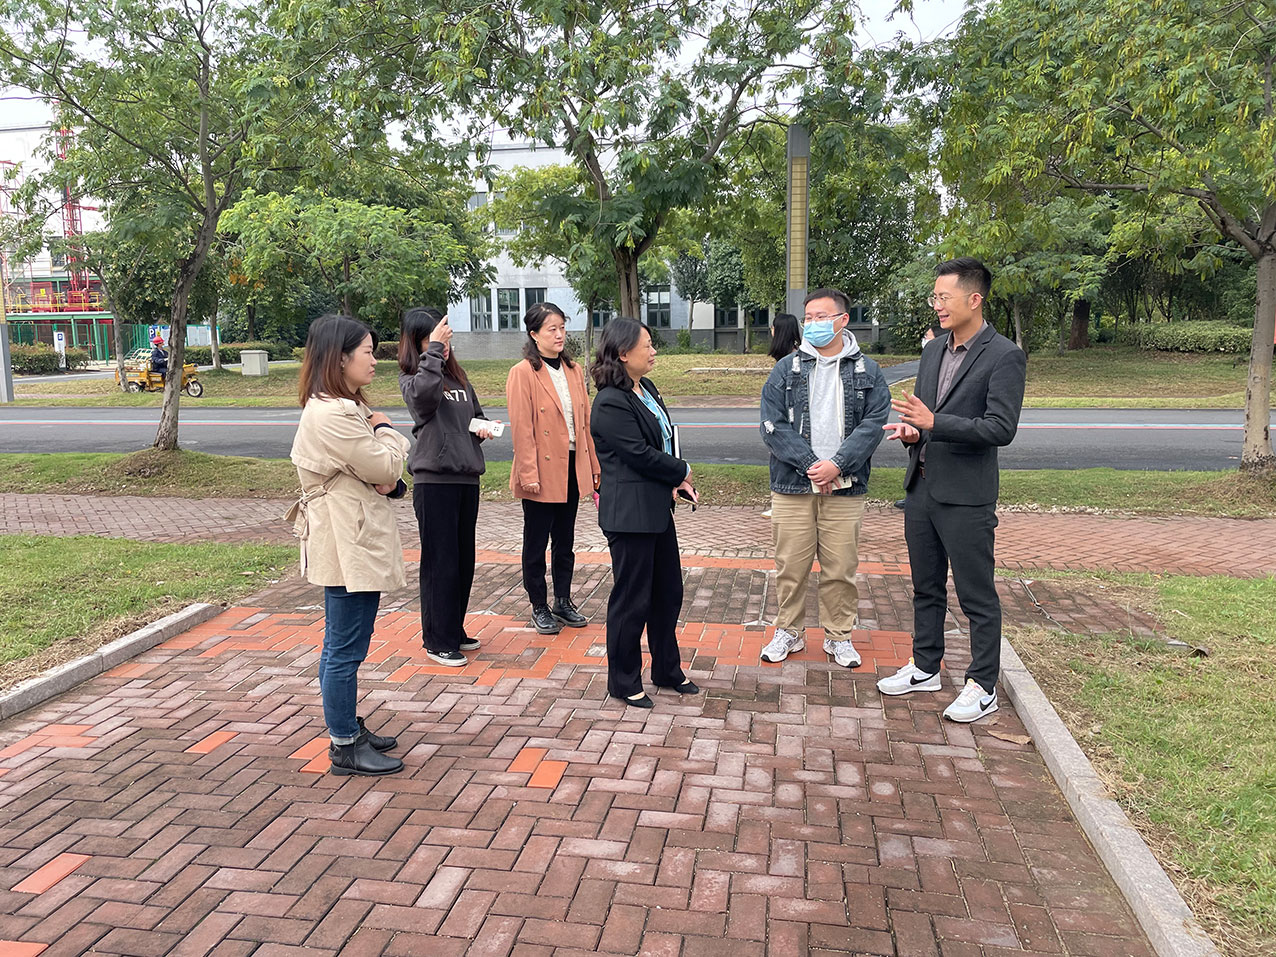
1025, 540
178, 804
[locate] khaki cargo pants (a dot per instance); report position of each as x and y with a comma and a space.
804, 527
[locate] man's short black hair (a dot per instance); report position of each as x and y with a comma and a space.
970, 273
842, 299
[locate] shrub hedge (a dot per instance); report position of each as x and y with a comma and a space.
1195, 336
229, 351
42, 359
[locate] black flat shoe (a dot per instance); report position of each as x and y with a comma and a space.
642, 701
381, 742
687, 687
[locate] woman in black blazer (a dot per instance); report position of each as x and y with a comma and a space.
640, 481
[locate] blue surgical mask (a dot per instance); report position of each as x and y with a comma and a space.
818, 333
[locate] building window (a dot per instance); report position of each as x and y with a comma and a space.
724, 317
507, 308
533, 295
477, 201
481, 312
601, 315
658, 307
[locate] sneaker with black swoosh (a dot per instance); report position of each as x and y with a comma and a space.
908, 678
972, 704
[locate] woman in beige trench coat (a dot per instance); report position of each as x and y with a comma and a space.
349, 460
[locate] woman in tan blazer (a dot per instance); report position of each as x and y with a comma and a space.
554, 459
349, 460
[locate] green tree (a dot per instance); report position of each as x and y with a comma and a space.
163, 98
1156, 101
642, 114
376, 259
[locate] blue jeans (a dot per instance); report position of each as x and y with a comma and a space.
349, 617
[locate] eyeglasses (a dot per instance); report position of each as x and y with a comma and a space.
821, 317
943, 299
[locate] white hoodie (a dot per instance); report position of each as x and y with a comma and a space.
828, 415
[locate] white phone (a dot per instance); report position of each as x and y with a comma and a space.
491, 425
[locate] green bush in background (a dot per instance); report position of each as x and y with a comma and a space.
1196, 336
42, 359
229, 352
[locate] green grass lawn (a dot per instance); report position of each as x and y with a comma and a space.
672, 375
1125, 377
65, 588
198, 474
1188, 744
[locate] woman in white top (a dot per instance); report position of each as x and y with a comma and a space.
349, 460
554, 459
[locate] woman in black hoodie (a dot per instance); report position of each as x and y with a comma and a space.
446, 463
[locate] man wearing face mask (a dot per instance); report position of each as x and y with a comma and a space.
823, 409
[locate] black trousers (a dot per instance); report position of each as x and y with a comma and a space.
545, 522
646, 592
446, 516
937, 535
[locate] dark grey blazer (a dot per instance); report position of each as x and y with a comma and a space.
979, 413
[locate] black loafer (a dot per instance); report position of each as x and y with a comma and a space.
641, 702
380, 742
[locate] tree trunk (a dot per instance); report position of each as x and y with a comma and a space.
252, 322
1016, 313
166, 435
1080, 335
217, 339
630, 301
1257, 450
117, 332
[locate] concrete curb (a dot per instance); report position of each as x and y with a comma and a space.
1152, 896
65, 677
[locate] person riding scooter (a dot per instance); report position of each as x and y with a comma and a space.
159, 358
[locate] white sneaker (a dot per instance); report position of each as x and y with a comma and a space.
972, 704
782, 645
843, 652
908, 678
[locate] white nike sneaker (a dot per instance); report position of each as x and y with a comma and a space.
972, 704
908, 678
843, 652
782, 645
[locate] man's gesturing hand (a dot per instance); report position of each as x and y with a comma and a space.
913, 411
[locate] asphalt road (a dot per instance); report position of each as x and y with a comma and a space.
1157, 439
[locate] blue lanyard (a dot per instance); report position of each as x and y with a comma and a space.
666, 430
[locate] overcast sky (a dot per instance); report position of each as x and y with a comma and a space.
929, 19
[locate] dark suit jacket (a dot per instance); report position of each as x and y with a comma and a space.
638, 477
979, 413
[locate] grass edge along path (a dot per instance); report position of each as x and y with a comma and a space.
186, 474
1187, 745
62, 597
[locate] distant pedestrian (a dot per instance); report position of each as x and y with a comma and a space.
822, 414
554, 459
446, 463
641, 479
786, 335
349, 459
968, 398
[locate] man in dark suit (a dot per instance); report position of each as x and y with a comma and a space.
968, 397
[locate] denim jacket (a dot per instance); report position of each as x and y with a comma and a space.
786, 421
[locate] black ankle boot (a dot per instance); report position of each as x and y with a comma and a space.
566, 612
543, 620
382, 742
361, 758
